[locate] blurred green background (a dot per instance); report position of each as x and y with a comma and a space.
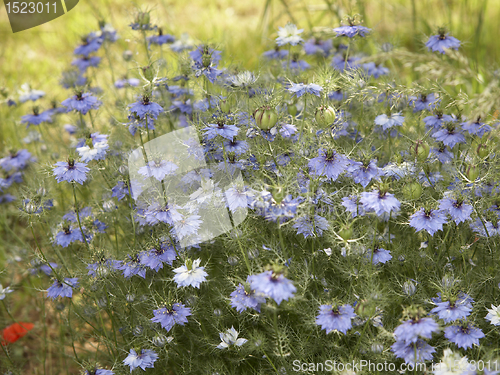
245, 29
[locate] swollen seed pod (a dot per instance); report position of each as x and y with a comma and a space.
292, 109
265, 117
472, 172
148, 72
420, 150
346, 232
412, 190
481, 149
325, 115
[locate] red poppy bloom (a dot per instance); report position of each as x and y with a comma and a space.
15, 331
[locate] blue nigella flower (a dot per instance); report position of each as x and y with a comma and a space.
155, 258
353, 205
274, 285
132, 267
423, 102
296, 64
224, 130
145, 360
449, 136
456, 208
375, 70
442, 41
457, 308
437, 121
169, 317
158, 169
388, 121
311, 227
379, 255
27, 93
205, 61
430, 220
160, 38
98, 371
341, 62
127, 82
363, 173
442, 154
82, 102
241, 299
90, 43
329, 163
68, 235
276, 54
62, 288
70, 171
36, 118
84, 62
476, 127
187, 226
380, 202
351, 30
299, 89
16, 160
464, 336
332, 318
145, 107
315, 46
413, 352
411, 330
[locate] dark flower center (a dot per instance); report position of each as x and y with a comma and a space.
145, 100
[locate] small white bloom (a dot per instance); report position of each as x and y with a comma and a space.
97, 152
230, 337
494, 315
452, 364
190, 274
5, 291
328, 251
289, 35
243, 79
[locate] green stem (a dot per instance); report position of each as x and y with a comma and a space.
77, 211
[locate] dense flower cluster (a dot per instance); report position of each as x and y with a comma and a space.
317, 206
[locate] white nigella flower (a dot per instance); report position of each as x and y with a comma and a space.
190, 274
243, 79
451, 364
4, 291
494, 315
97, 152
230, 337
289, 35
